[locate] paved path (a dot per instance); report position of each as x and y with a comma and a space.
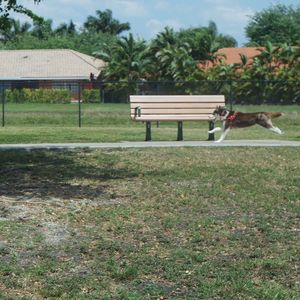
125, 144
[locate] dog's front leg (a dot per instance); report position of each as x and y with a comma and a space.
223, 135
215, 130
276, 130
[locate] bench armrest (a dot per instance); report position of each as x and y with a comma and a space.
137, 111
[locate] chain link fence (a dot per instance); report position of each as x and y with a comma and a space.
235, 91
69, 101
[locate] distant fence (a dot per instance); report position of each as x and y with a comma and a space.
66, 91
235, 91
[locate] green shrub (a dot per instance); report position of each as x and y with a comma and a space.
38, 96
14, 96
91, 96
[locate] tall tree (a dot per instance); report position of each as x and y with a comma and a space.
205, 41
42, 30
176, 54
15, 30
125, 59
104, 22
176, 63
160, 48
7, 6
277, 24
66, 29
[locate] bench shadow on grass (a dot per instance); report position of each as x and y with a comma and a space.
57, 174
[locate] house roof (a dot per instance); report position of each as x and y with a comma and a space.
47, 64
232, 55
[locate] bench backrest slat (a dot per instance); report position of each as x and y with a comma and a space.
174, 111
174, 107
176, 98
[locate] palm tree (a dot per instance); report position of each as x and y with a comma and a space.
205, 42
289, 56
15, 29
104, 22
126, 62
164, 38
66, 29
176, 62
126, 59
160, 51
269, 57
42, 30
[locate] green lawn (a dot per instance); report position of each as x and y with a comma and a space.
184, 223
142, 224
35, 123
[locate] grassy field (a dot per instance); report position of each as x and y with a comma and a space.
35, 123
183, 223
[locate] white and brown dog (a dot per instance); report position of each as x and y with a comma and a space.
231, 119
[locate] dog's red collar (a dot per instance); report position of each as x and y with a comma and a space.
231, 118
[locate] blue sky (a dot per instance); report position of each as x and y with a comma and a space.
148, 17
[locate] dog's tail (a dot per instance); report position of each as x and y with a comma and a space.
273, 115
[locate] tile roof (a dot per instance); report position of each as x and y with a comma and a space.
232, 55
48, 64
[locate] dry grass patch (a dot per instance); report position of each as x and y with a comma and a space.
184, 223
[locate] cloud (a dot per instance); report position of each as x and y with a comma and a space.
234, 14
233, 20
162, 5
155, 26
132, 8
125, 8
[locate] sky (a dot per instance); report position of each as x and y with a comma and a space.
149, 17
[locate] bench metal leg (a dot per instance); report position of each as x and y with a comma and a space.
211, 126
180, 131
148, 131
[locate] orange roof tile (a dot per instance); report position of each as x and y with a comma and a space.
232, 55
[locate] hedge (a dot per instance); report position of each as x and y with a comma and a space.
38, 95
91, 96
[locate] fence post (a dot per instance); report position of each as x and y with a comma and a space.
79, 104
230, 94
3, 104
102, 93
99, 86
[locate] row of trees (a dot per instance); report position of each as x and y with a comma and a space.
172, 55
272, 76
277, 24
41, 35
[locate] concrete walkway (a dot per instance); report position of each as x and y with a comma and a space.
125, 144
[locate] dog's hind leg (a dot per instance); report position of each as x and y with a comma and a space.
268, 125
223, 135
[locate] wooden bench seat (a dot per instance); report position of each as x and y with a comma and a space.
158, 108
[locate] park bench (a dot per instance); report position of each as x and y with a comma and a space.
179, 108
